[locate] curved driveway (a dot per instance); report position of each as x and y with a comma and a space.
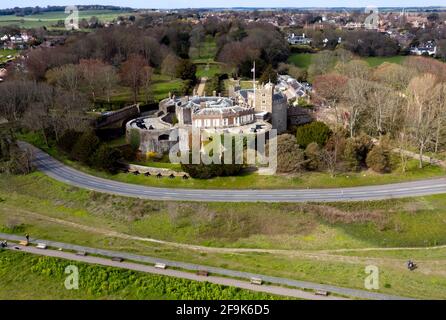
63, 173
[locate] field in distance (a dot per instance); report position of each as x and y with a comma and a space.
48, 19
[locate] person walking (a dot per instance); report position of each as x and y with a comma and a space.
27, 237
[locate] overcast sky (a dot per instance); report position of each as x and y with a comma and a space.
226, 3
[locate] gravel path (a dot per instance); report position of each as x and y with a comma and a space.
361, 294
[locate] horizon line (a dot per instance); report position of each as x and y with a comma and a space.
232, 7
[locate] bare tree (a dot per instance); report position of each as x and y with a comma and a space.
384, 109
439, 100
109, 80
37, 119
67, 77
147, 83
132, 74
331, 87
92, 75
169, 65
354, 69
423, 112
356, 95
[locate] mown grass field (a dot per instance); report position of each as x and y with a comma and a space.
206, 53
161, 86
308, 234
4, 53
301, 60
208, 70
304, 60
377, 61
48, 19
26, 276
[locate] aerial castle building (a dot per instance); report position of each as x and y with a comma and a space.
256, 110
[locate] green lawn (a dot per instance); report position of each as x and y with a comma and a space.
29, 204
26, 276
6, 52
301, 60
208, 70
377, 61
50, 18
206, 53
304, 60
161, 86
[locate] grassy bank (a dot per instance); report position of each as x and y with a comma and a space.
50, 210
397, 223
25, 276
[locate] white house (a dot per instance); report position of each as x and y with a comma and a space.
428, 48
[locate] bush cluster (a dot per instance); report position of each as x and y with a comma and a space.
87, 148
99, 281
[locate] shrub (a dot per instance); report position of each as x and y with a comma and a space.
203, 171
85, 146
364, 145
351, 155
268, 75
68, 140
101, 282
290, 158
127, 152
106, 158
317, 132
19, 162
378, 159
186, 70
135, 139
313, 154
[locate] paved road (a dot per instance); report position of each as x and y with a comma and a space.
63, 173
361, 294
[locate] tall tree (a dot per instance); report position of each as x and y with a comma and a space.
422, 112
132, 74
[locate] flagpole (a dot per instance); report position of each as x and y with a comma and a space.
254, 82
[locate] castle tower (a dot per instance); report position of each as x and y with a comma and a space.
264, 98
